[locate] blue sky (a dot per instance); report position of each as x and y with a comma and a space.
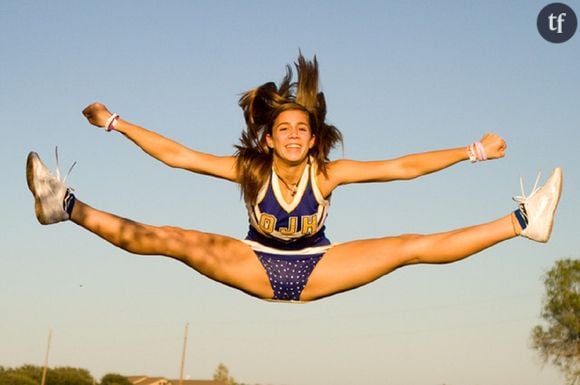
399, 77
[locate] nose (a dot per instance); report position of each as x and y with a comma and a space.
293, 132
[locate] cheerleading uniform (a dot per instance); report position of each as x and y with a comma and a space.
289, 238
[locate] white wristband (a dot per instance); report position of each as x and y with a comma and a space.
471, 153
111, 122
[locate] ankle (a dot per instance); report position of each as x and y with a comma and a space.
516, 224
68, 203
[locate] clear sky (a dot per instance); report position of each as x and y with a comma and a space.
399, 76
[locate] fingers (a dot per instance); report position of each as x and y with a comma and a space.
96, 113
495, 146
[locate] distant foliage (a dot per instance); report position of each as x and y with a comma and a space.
222, 374
24, 375
32, 375
114, 379
559, 341
69, 376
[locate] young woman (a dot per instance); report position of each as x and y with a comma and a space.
286, 180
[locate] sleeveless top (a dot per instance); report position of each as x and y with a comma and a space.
289, 226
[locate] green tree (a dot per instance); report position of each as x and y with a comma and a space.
222, 374
31, 375
559, 342
114, 379
24, 375
13, 378
69, 376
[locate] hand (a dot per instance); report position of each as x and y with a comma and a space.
97, 114
494, 146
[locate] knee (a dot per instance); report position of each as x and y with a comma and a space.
172, 240
410, 248
409, 237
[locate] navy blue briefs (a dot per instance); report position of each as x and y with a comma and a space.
288, 270
288, 274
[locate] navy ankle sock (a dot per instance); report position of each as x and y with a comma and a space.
68, 202
521, 217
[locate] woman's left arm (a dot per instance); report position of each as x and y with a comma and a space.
411, 166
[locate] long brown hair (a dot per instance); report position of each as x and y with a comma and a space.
262, 105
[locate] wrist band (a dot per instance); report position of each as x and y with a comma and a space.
471, 153
481, 155
111, 122
476, 152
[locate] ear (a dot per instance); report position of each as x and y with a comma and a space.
312, 141
269, 141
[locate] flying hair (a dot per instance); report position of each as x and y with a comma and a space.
262, 105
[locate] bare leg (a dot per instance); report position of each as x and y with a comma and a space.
353, 264
218, 257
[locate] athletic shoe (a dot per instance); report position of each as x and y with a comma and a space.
539, 207
51, 196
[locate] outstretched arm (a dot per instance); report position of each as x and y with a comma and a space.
406, 167
166, 150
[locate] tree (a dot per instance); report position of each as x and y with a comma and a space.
222, 374
114, 379
68, 376
31, 375
12, 378
559, 342
25, 375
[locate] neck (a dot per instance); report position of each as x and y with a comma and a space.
289, 175
289, 170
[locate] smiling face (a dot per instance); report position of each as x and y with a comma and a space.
291, 137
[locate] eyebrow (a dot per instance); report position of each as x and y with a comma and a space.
298, 124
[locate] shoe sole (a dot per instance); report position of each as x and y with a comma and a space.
31, 161
557, 172
552, 209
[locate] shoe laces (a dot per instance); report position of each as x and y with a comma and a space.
58, 174
522, 199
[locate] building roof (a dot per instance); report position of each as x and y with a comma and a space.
197, 382
145, 380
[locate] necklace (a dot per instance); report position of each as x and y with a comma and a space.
292, 187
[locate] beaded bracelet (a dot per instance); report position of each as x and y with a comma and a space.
471, 153
476, 152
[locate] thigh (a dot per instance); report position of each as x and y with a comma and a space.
353, 264
223, 259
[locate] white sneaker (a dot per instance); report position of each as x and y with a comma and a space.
50, 193
540, 206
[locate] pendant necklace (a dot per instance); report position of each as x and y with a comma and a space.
292, 187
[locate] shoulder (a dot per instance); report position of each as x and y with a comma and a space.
328, 177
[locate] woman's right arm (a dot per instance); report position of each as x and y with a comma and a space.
166, 150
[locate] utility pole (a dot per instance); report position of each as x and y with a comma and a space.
43, 381
183, 354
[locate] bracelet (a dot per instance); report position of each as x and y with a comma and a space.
111, 122
476, 152
471, 153
481, 155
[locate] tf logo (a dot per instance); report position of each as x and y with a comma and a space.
557, 22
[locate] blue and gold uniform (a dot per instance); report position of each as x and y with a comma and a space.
289, 238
